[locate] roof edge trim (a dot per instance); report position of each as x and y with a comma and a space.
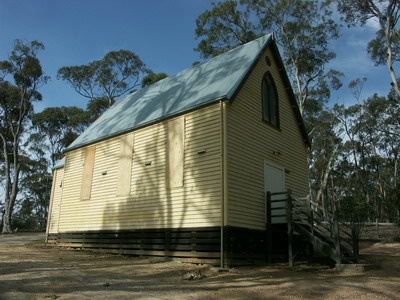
155, 121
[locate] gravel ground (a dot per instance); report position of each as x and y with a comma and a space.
30, 269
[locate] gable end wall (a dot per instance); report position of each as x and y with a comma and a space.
251, 142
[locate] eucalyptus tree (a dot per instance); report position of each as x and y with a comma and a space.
380, 129
96, 107
116, 74
225, 26
56, 127
327, 142
367, 168
21, 77
385, 47
352, 164
153, 78
36, 179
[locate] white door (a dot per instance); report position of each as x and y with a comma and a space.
274, 179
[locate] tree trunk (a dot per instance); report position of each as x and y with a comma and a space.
7, 217
11, 181
10, 197
389, 58
324, 182
6, 220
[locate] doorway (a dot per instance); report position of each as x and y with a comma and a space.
274, 182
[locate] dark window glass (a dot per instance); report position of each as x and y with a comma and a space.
270, 100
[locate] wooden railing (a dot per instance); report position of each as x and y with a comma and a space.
321, 228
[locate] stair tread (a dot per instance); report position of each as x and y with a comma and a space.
317, 225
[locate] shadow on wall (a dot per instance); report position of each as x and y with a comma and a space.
159, 197
172, 185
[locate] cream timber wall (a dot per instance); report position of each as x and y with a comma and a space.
55, 200
251, 142
167, 175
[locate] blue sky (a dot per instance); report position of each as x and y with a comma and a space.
161, 32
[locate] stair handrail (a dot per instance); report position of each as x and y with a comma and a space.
320, 222
326, 223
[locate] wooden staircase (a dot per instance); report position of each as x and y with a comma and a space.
314, 224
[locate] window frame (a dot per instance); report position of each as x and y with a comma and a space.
270, 101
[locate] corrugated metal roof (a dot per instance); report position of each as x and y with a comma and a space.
59, 163
203, 84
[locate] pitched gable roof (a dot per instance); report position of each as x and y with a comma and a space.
209, 82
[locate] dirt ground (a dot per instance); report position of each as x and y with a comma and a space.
29, 269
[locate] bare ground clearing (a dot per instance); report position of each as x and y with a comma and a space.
29, 269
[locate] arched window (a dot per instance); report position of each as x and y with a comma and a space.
270, 101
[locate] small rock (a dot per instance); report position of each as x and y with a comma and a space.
192, 275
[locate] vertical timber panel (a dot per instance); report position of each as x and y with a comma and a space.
125, 165
88, 172
175, 153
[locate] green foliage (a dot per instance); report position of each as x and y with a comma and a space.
153, 78
358, 12
355, 209
96, 107
393, 205
223, 27
325, 141
366, 167
24, 219
10, 108
377, 47
26, 68
57, 127
117, 73
36, 180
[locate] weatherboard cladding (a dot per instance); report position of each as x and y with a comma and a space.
216, 79
55, 200
151, 203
